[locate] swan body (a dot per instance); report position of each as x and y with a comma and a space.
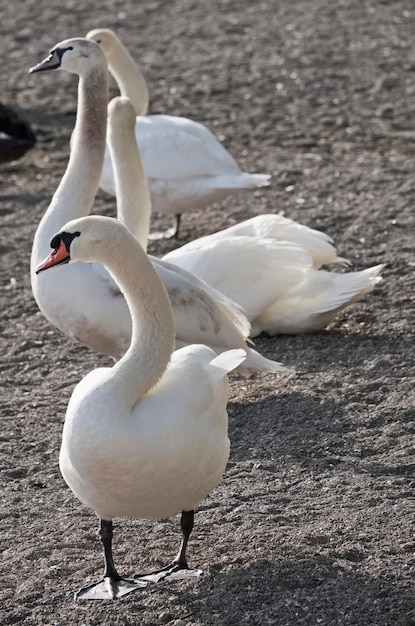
257, 263
87, 305
148, 437
275, 282
138, 463
186, 166
279, 228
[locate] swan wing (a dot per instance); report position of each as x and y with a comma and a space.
201, 313
175, 148
251, 271
280, 228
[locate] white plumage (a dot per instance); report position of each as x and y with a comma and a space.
146, 438
186, 166
88, 305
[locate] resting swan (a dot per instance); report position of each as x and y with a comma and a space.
146, 438
186, 166
275, 281
134, 208
88, 305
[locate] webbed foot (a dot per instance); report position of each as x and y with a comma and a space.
173, 571
109, 589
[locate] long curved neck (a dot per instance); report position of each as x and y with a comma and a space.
152, 342
128, 77
76, 192
131, 187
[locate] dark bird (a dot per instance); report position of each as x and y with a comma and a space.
16, 135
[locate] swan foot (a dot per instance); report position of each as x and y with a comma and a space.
173, 571
109, 589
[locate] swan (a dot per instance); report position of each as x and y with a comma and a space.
275, 282
88, 306
148, 437
134, 210
267, 263
186, 166
16, 135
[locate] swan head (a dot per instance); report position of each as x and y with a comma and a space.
121, 114
73, 55
87, 239
106, 38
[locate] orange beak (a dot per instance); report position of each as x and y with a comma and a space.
56, 257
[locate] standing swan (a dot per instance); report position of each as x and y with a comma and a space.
186, 166
88, 306
146, 438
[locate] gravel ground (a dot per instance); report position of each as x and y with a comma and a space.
313, 522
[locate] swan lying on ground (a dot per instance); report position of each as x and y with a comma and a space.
268, 264
146, 438
275, 282
134, 209
186, 166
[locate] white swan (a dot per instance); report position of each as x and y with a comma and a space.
146, 438
275, 282
88, 305
134, 209
186, 166
267, 263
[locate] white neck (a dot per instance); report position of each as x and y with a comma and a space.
76, 192
130, 80
132, 192
152, 341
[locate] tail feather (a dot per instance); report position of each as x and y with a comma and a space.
256, 362
226, 362
314, 303
351, 287
252, 362
242, 180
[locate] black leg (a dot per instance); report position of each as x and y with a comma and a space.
105, 534
112, 584
170, 233
178, 568
186, 524
178, 222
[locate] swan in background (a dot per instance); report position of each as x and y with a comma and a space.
16, 135
148, 437
186, 166
88, 306
134, 210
